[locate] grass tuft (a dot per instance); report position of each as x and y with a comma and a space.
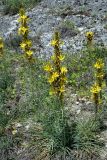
12, 6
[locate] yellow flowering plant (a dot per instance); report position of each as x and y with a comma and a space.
23, 19
61, 57
89, 36
53, 77
99, 73
48, 67
26, 44
95, 90
29, 53
57, 72
63, 70
23, 31
99, 64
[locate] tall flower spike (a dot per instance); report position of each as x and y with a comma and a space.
55, 69
95, 89
99, 66
26, 44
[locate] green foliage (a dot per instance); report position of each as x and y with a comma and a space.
7, 81
13, 6
63, 137
33, 88
67, 28
86, 136
57, 131
68, 24
80, 67
24, 84
54, 134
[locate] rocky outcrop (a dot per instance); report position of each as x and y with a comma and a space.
78, 16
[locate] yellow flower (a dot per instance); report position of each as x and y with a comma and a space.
26, 44
99, 64
23, 30
48, 68
29, 53
29, 43
23, 45
89, 35
62, 89
63, 70
61, 57
95, 88
23, 19
54, 76
54, 43
51, 80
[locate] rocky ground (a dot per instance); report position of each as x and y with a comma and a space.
72, 17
